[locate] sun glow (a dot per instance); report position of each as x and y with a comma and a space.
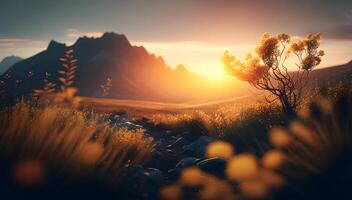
198, 57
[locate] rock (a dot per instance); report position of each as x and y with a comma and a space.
198, 147
159, 145
154, 174
214, 166
187, 162
178, 143
182, 164
164, 159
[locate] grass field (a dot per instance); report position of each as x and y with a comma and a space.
139, 108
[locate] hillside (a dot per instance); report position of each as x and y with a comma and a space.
332, 74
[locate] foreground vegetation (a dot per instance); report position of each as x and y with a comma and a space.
57, 149
49, 148
309, 159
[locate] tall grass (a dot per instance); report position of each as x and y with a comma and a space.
310, 158
68, 144
244, 125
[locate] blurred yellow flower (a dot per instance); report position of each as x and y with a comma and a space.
279, 137
271, 179
171, 192
191, 177
254, 189
215, 188
220, 149
242, 167
273, 159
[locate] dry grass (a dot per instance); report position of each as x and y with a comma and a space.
220, 121
243, 125
310, 159
68, 143
139, 108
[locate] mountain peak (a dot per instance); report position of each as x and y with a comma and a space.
8, 61
53, 45
181, 68
11, 58
107, 39
115, 37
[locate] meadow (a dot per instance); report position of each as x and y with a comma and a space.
55, 144
49, 148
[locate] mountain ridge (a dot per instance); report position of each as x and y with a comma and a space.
135, 73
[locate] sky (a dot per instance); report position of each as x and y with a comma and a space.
190, 32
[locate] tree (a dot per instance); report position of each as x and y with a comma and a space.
266, 69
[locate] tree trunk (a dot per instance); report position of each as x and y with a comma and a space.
287, 107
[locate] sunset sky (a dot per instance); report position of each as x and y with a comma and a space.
192, 32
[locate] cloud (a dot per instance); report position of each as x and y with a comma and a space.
349, 17
339, 32
74, 33
10, 42
343, 29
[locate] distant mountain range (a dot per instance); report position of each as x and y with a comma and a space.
7, 62
135, 73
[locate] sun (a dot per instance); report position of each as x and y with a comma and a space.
209, 70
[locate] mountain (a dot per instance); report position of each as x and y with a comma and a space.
332, 74
135, 73
7, 62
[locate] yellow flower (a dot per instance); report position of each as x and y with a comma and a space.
191, 177
279, 137
242, 167
271, 179
219, 149
171, 192
273, 159
254, 189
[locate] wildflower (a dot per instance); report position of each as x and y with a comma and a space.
242, 167
254, 189
279, 137
271, 179
220, 149
214, 188
191, 177
171, 192
273, 159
